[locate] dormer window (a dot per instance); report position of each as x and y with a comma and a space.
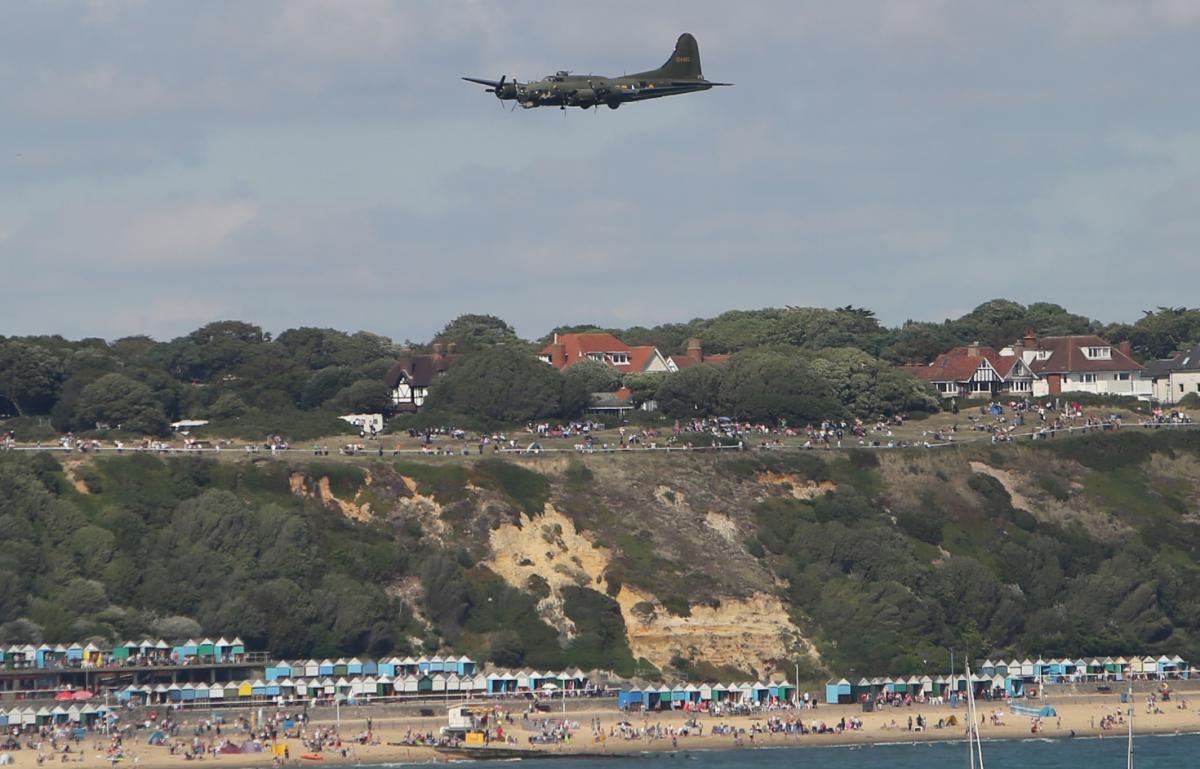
1044, 354
1098, 353
619, 358
596, 356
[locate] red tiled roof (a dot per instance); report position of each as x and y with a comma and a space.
640, 357
576, 347
1066, 356
959, 365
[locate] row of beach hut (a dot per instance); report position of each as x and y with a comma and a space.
76, 655
392, 666
679, 696
352, 688
1093, 669
1013, 677
84, 715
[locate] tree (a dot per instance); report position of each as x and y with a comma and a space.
693, 392
644, 386
366, 396
768, 386
869, 388
121, 402
499, 385
30, 377
325, 384
475, 332
594, 376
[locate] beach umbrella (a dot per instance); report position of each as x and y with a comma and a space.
62, 696
82, 694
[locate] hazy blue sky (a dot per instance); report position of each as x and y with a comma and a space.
318, 162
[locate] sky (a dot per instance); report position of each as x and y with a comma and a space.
166, 163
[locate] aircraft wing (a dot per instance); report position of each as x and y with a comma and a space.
481, 81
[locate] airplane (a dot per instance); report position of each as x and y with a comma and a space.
680, 74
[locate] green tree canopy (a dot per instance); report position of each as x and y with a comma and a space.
499, 385
770, 385
117, 400
693, 392
30, 377
473, 332
593, 376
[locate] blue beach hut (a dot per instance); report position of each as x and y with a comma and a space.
838, 692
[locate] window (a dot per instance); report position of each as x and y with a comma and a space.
1087, 377
1098, 353
619, 357
1043, 354
1181, 386
1122, 377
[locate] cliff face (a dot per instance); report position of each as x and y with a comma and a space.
855, 563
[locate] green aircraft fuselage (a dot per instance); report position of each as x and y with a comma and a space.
680, 74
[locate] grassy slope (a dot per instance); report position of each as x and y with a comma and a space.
913, 552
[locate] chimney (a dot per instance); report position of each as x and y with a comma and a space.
973, 350
1030, 340
1126, 347
437, 349
451, 347
694, 350
555, 337
1018, 349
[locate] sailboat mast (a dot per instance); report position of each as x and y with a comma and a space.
1129, 748
973, 737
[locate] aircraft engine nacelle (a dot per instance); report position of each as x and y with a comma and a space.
584, 96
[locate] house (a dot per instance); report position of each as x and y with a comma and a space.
976, 371
1175, 377
695, 355
612, 403
568, 349
412, 376
1082, 363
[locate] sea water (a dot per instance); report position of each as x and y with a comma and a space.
1165, 752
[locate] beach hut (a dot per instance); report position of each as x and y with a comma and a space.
838, 692
987, 668
187, 650
237, 647
422, 664
370, 668
207, 650
629, 699
278, 670
341, 667
437, 664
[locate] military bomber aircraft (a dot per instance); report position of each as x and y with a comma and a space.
680, 74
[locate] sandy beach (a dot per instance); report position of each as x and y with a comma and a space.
1083, 718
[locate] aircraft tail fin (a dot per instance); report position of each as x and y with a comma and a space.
684, 62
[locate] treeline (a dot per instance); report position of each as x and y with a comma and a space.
820, 363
